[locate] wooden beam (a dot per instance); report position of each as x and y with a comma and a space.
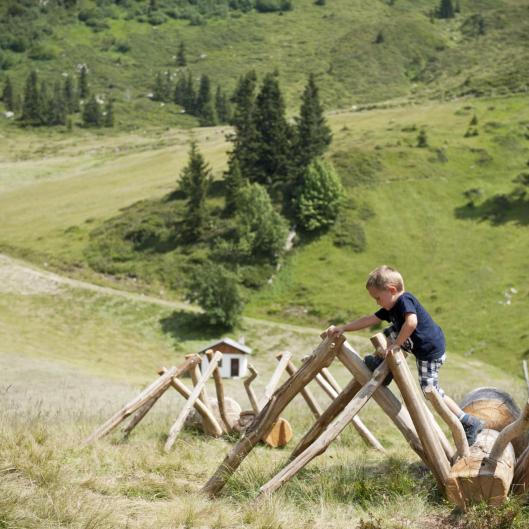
389, 403
284, 359
248, 387
179, 423
321, 357
458, 432
327, 375
509, 433
306, 393
153, 391
322, 442
219, 389
196, 374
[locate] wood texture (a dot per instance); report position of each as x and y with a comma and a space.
321, 357
306, 393
219, 389
248, 387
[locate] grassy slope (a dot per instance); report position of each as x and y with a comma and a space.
460, 267
64, 370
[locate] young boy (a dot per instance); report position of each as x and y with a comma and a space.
413, 330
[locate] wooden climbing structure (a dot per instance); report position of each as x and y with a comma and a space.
487, 471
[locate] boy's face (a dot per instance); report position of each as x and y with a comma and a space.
385, 297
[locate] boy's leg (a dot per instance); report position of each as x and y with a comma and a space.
429, 376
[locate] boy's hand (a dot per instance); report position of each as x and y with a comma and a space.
334, 331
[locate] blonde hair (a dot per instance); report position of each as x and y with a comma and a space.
384, 276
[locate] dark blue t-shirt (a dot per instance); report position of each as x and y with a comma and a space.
428, 338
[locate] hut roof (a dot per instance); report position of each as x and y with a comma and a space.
228, 341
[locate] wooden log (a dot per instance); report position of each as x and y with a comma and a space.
326, 418
209, 422
153, 391
219, 388
368, 438
196, 374
479, 478
437, 460
520, 482
389, 403
322, 442
306, 393
327, 375
497, 410
380, 342
514, 430
284, 359
177, 426
322, 357
249, 390
458, 432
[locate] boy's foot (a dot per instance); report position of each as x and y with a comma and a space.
372, 362
472, 426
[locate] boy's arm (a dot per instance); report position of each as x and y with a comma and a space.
409, 325
355, 325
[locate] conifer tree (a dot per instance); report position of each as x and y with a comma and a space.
233, 183
57, 106
31, 110
92, 113
181, 55
180, 88
222, 106
272, 167
189, 102
8, 95
195, 180
162, 87
313, 136
71, 97
108, 118
205, 110
82, 84
446, 9
45, 104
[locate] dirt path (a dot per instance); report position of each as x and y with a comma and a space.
20, 277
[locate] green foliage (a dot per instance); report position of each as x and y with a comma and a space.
509, 515
422, 139
195, 180
181, 59
261, 231
319, 201
204, 107
215, 289
349, 233
40, 52
32, 112
270, 6
8, 95
233, 184
445, 9
82, 84
92, 115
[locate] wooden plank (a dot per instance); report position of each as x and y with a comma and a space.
197, 390
321, 357
284, 359
248, 387
196, 374
322, 442
458, 432
219, 389
389, 403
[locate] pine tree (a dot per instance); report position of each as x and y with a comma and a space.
181, 55
222, 106
273, 146
92, 113
180, 89
162, 89
233, 183
31, 110
45, 104
108, 118
71, 97
58, 106
82, 84
446, 9
195, 180
204, 109
313, 136
8, 95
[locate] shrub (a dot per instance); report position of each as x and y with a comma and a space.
422, 139
349, 234
215, 289
40, 52
319, 201
157, 19
270, 6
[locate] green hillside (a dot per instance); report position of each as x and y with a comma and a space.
361, 52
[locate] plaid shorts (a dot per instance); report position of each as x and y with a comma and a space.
429, 373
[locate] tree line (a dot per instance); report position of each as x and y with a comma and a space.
40, 105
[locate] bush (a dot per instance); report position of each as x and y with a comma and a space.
6, 61
157, 19
270, 6
349, 234
319, 201
40, 52
215, 289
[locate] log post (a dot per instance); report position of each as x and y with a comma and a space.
284, 359
437, 460
249, 390
322, 442
306, 393
327, 375
509, 433
210, 423
177, 426
321, 357
196, 373
219, 389
389, 403
521, 473
458, 433
157, 388
368, 438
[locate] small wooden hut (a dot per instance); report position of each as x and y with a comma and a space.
234, 362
